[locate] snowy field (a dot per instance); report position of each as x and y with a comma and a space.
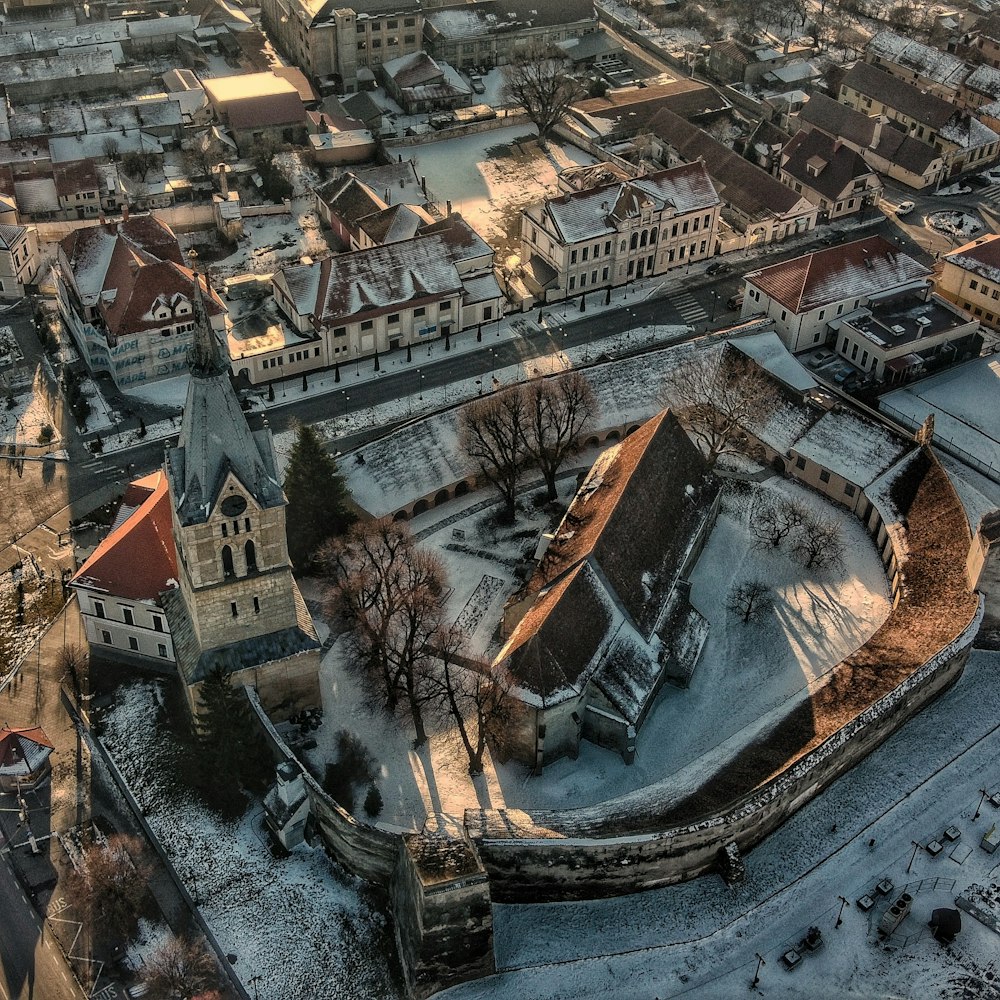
489, 177
963, 400
699, 939
22, 424
301, 923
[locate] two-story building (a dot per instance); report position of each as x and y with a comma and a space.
258, 107
371, 301
830, 174
970, 277
802, 296
963, 141
419, 83
924, 66
609, 235
120, 585
341, 45
19, 260
126, 299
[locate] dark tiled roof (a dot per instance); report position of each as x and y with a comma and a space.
633, 109
749, 189
350, 200
840, 165
928, 109
76, 177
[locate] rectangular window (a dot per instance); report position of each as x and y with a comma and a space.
409, 22
157, 623
849, 489
256, 605
232, 608
225, 529
784, 315
246, 523
161, 648
572, 256
607, 248
106, 637
684, 229
673, 231
418, 312
133, 643
128, 616
593, 277
572, 283
99, 609
445, 306
604, 275
409, 39
843, 346
586, 253
800, 462
392, 25
822, 313
367, 324
864, 360
487, 313
340, 331
393, 317
824, 476
854, 352
583, 280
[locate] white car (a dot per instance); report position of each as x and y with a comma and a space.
905, 207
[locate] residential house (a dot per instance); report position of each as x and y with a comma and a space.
78, 188
970, 277
830, 174
125, 297
884, 145
121, 584
737, 61
758, 207
19, 260
802, 296
901, 335
981, 87
487, 33
923, 66
418, 83
764, 145
962, 140
24, 758
371, 301
982, 44
605, 619
340, 45
610, 235
338, 139
257, 108
593, 50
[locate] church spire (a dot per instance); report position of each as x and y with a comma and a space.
206, 354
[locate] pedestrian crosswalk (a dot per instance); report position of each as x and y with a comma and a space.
689, 307
990, 194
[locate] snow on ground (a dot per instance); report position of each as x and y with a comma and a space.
489, 177
962, 224
164, 392
699, 939
22, 424
301, 923
748, 677
963, 401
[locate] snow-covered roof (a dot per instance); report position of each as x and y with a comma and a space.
981, 256
769, 352
95, 145
930, 63
23, 751
986, 80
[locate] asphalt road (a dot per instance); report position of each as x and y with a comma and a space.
31, 965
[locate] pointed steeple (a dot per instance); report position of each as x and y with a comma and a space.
206, 354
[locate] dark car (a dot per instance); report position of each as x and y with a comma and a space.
718, 267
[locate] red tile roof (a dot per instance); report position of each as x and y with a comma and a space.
8, 734
137, 560
853, 270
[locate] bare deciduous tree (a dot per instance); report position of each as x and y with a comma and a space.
491, 434
473, 694
749, 600
819, 543
774, 519
717, 395
111, 148
138, 163
557, 411
536, 79
111, 879
73, 664
389, 592
177, 969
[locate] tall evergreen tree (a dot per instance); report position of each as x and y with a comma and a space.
318, 501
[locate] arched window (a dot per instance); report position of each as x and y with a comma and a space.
643, 238
653, 234
227, 561
634, 242
250, 550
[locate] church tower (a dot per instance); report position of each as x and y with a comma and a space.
237, 604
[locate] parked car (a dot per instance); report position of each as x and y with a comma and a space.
718, 267
819, 358
905, 207
476, 82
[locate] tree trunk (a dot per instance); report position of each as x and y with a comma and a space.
550, 483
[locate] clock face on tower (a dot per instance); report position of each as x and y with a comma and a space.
234, 505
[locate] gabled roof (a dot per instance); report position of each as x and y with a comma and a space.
923, 107
350, 199
981, 256
749, 189
629, 110
10, 235
852, 270
23, 751
837, 119
136, 561
75, 178
839, 165
398, 222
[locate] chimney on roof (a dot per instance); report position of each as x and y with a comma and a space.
224, 180
447, 206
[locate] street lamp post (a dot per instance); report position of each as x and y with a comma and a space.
840, 915
756, 975
715, 300
916, 847
982, 799
254, 980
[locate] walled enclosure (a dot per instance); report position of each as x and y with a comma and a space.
920, 529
